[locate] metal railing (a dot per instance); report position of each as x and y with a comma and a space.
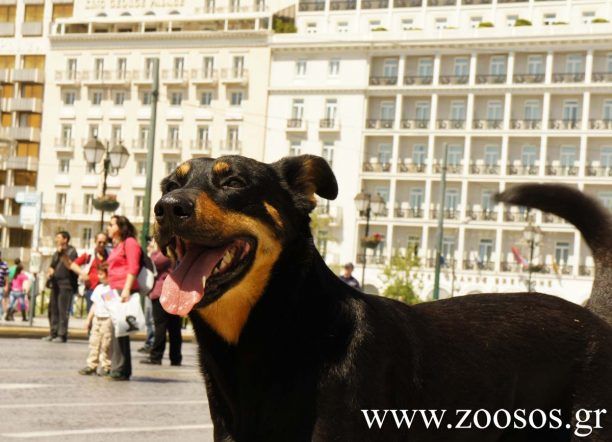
523, 169
410, 80
341, 5
488, 124
600, 124
482, 215
306, 6
528, 78
383, 80
472, 264
374, 4
407, 3
451, 124
412, 212
454, 79
524, 124
377, 123
484, 169
411, 167
376, 167
568, 77
564, 124
414, 124
490, 79
559, 170
599, 77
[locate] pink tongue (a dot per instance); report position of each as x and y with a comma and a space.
183, 288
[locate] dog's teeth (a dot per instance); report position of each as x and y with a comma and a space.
203, 282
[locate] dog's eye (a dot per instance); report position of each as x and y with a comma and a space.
172, 185
233, 182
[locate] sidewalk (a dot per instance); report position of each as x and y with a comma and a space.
76, 329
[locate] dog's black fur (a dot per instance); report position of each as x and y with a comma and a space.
314, 352
588, 215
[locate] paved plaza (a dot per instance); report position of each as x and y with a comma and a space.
42, 397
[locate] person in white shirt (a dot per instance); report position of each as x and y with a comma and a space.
101, 326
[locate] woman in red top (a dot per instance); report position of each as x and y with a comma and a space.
123, 268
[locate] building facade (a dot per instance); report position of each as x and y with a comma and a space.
518, 92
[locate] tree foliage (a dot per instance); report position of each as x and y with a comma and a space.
399, 278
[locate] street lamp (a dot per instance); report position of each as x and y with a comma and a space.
94, 152
533, 236
365, 202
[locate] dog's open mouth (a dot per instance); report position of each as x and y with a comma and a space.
204, 273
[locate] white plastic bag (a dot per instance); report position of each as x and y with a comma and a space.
127, 317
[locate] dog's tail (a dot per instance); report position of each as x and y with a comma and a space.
592, 220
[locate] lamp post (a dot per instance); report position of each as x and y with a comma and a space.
533, 236
367, 203
94, 151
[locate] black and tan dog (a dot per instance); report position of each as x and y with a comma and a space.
291, 353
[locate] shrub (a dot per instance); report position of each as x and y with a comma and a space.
600, 20
485, 24
522, 22
283, 25
379, 29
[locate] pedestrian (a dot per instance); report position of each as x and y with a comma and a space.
347, 276
123, 268
20, 285
148, 310
63, 287
4, 292
163, 320
100, 325
86, 266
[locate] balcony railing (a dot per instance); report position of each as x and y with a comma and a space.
454, 79
230, 146
441, 2
405, 211
383, 80
64, 144
550, 218
408, 166
595, 169
417, 80
204, 75
529, 78
599, 77
600, 124
488, 124
342, 5
451, 213
451, 124
201, 145
568, 77
489, 79
514, 215
29, 75
374, 4
526, 124
414, 124
376, 123
311, 6
523, 169
407, 3
479, 167
372, 259
296, 124
329, 124
171, 145
234, 75
479, 214
31, 29
556, 169
473, 264
450, 168
375, 166
563, 124
67, 77
585, 270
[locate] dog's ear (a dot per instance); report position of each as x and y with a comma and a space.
307, 175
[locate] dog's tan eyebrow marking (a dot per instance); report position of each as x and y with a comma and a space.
274, 214
183, 170
221, 168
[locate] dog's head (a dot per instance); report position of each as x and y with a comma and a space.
228, 220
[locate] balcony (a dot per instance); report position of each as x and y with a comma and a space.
454, 79
174, 76
414, 124
25, 105
372, 259
296, 125
562, 124
204, 76
516, 215
64, 145
234, 76
201, 145
477, 213
595, 169
171, 146
32, 29
454, 168
383, 80
600, 124
139, 145
554, 168
142, 77
452, 213
5, 75
474, 264
567, 77
329, 125
29, 75
342, 5
404, 210
374, 165
377, 123
602, 77
480, 167
24, 133
488, 124
22, 163
68, 78
451, 124
407, 165
526, 124
550, 218
490, 79
7, 29
407, 3
528, 78
108, 77
418, 80
374, 4
307, 6
12, 191
441, 2
332, 214
230, 147
518, 168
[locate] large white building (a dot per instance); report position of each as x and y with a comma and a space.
519, 91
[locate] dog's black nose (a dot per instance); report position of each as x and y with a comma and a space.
173, 208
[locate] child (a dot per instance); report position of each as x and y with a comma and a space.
99, 321
19, 286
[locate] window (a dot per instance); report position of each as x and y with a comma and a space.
606, 199
455, 154
422, 110
342, 26
87, 236
375, 24
607, 110
606, 156
205, 98
570, 110
497, 66
90, 168
208, 66
574, 64
119, 98
448, 247
300, 68
176, 98
141, 167
440, 23
171, 166
567, 156
173, 137
311, 28
461, 67
485, 250
387, 110
63, 166
121, 67
491, 155
177, 67
451, 199
385, 152
475, 21
99, 68
88, 204
233, 141
561, 252
486, 200
66, 133
295, 148
202, 137
390, 67
236, 98
116, 132
69, 98
60, 203
407, 24
535, 65
96, 98
416, 197
333, 68
138, 205
419, 154
148, 67
457, 111
588, 16
33, 13
494, 110
331, 109
511, 20
143, 137
146, 99
425, 67
93, 131
297, 109
529, 155
532, 110
71, 68
328, 152
609, 63
550, 18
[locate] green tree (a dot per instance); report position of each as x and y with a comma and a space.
399, 278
